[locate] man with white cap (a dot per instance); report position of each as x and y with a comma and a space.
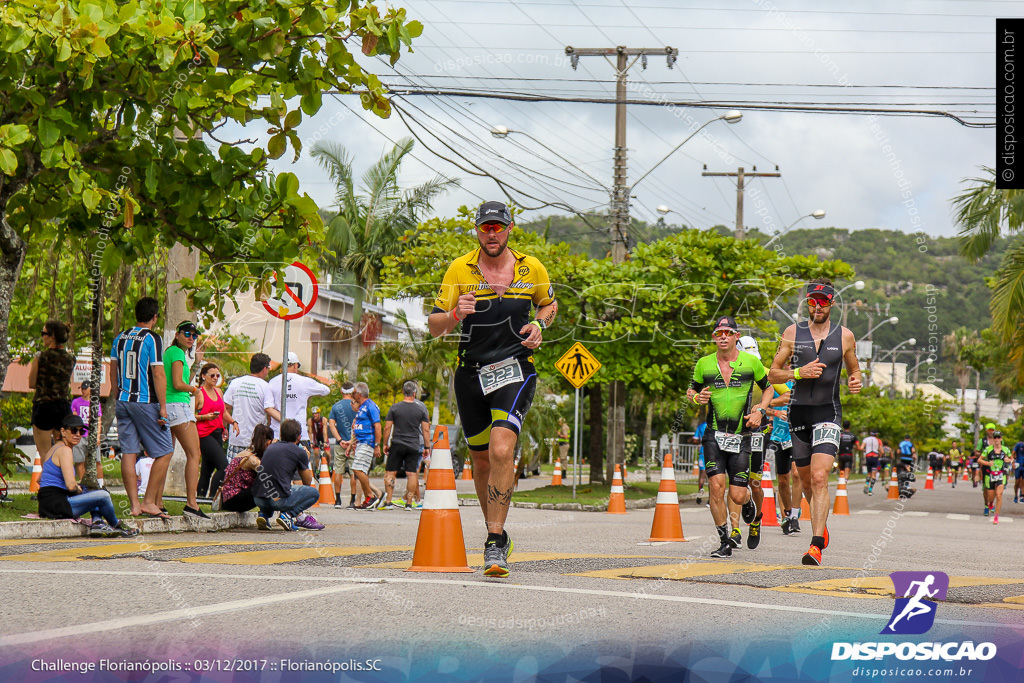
300, 389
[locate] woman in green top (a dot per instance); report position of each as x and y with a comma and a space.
180, 415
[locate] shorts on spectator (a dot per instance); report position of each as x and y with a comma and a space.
48, 415
234, 451
137, 428
402, 457
78, 452
338, 455
363, 459
179, 414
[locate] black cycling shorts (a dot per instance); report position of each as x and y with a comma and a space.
402, 458
504, 407
736, 466
757, 442
783, 458
872, 462
846, 461
815, 429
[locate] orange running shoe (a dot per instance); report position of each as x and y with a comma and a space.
826, 539
812, 556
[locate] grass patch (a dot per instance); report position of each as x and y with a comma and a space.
23, 504
593, 494
111, 470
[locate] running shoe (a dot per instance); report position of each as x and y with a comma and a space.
389, 506
381, 502
339, 506
351, 506
749, 510
262, 523
986, 511
100, 529
754, 534
125, 530
866, 489
795, 524
310, 523
735, 538
285, 521
812, 556
368, 504
995, 519
786, 525
826, 539
418, 505
699, 497
496, 559
724, 551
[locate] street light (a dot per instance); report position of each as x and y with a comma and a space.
871, 354
731, 116
664, 211
502, 132
892, 352
888, 321
929, 360
817, 214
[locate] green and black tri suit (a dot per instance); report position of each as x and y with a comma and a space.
994, 475
726, 441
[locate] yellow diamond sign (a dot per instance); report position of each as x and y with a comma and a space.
578, 365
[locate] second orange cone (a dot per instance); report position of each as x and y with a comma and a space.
668, 523
617, 499
440, 545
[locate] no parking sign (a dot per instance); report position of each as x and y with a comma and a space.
299, 295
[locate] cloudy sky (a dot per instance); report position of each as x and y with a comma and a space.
893, 171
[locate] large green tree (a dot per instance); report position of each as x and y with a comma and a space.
984, 213
112, 133
371, 218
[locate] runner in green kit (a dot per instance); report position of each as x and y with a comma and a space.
996, 459
724, 381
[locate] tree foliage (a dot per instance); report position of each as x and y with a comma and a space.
894, 418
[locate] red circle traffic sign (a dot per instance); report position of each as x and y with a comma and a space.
300, 292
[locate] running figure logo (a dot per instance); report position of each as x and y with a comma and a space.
917, 593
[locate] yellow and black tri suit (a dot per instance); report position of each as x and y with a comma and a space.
491, 344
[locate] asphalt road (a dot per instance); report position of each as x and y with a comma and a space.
586, 590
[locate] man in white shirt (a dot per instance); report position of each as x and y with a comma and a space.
300, 389
248, 401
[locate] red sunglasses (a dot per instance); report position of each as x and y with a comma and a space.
820, 303
496, 228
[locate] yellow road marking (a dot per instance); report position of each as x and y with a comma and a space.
39, 541
1012, 602
285, 555
878, 586
111, 549
679, 571
477, 559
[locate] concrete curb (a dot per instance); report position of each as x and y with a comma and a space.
66, 528
636, 504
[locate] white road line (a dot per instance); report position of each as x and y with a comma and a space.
956, 516
486, 585
916, 513
190, 613
868, 512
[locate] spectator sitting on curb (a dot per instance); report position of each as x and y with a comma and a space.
235, 493
60, 495
273, 491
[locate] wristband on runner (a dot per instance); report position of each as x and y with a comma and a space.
796, 373
455, 314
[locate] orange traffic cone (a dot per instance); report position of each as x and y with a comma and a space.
617, 499
37, 472
99, 473
769, 512
805, 508
112, 454
842, 504
326, 485
950, 480
929, 481
556, 479
894, 488
440, 546
668, 524
467, 471
966, 477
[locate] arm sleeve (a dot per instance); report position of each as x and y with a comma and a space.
761, 376
696, 384
448, 293
543, 292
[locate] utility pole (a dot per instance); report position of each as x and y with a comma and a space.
619, 211
740, 176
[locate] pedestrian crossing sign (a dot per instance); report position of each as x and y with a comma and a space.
578, 365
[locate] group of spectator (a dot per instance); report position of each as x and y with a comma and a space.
157, 403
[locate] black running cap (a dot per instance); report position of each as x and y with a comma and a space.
493, 212
816, 289
997, 435
726, 322
71, 421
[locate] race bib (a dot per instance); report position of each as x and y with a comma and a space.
826, 433
757, 442
500, 374
728, 443
788, 443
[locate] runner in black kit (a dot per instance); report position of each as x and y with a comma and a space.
847, 442
491, 291
815, 352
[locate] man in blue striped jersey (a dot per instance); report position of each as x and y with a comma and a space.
138, 377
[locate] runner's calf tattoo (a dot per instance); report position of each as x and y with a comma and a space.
499, 497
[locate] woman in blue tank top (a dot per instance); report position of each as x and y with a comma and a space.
61, 496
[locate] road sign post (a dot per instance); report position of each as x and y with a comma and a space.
298, 294
577, 365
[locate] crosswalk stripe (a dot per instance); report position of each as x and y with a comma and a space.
958, 517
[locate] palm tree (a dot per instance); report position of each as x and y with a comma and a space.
984, 212
370, 222
955, 347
